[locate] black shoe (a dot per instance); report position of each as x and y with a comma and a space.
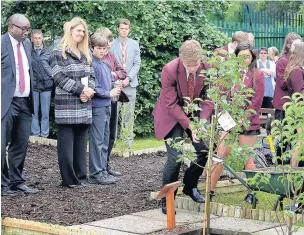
105, 179
194, 194
26, 189
9, 193
85, 184
211, 194
164, 208
114, 173
76, 186
111, 177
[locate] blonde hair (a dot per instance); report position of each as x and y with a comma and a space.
190, 52
240, 37
66, 42
288, 41
296, 60
274, 50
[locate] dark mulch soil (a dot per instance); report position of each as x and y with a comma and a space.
59, 205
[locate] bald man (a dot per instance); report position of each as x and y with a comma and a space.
16, 104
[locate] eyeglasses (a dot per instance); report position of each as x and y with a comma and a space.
23, 29
263, 53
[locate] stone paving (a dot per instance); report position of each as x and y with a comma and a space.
153, 222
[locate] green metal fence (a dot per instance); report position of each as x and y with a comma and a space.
268, 29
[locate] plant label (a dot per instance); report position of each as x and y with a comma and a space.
226, 121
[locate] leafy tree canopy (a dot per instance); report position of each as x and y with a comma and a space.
159, 26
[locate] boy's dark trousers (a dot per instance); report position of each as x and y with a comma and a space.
99, 141
172, 168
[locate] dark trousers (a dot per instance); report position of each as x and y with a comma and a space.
171, 169
15, 131
267, 102
99, 141
280, 115
72, 148
113, 130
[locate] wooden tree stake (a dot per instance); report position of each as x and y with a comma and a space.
168, 192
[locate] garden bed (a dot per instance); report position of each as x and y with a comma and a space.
58, 205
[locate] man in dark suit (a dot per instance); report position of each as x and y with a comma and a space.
16, 104
181, 78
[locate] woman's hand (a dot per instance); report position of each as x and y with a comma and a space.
83, 98
88, 92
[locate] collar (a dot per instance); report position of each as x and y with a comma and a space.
97, 60
121, 41
13, 40
230, 50
187, 73
35, 48
69, 50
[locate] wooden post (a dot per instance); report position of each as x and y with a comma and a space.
168, 192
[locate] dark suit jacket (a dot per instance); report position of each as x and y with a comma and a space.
295, 82
168, 109
8, 73
281, 86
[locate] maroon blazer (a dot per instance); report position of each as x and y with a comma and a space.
224, 48
281, 86
257, 99
168, 109
295, 82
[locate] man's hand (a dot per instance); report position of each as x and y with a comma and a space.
115, 92
194, 138
88, 92
193, 134
125, 82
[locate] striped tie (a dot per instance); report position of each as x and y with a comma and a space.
191, 86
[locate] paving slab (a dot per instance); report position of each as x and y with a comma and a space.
131, 224
278, 231
101, 231
182, 216
240, 225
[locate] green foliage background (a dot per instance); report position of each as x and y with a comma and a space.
159, 26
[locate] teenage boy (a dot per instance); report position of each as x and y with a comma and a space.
100, 129
119, 74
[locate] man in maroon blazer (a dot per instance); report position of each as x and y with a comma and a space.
237, 38
181, 78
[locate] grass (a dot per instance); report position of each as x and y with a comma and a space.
300, 224
143, 143
266, 201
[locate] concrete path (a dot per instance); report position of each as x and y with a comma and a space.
153, 222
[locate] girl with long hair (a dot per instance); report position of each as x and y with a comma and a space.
291, 40
281, 89
294, 77
253, 79
74, 87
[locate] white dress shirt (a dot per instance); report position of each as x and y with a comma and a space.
26, 68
